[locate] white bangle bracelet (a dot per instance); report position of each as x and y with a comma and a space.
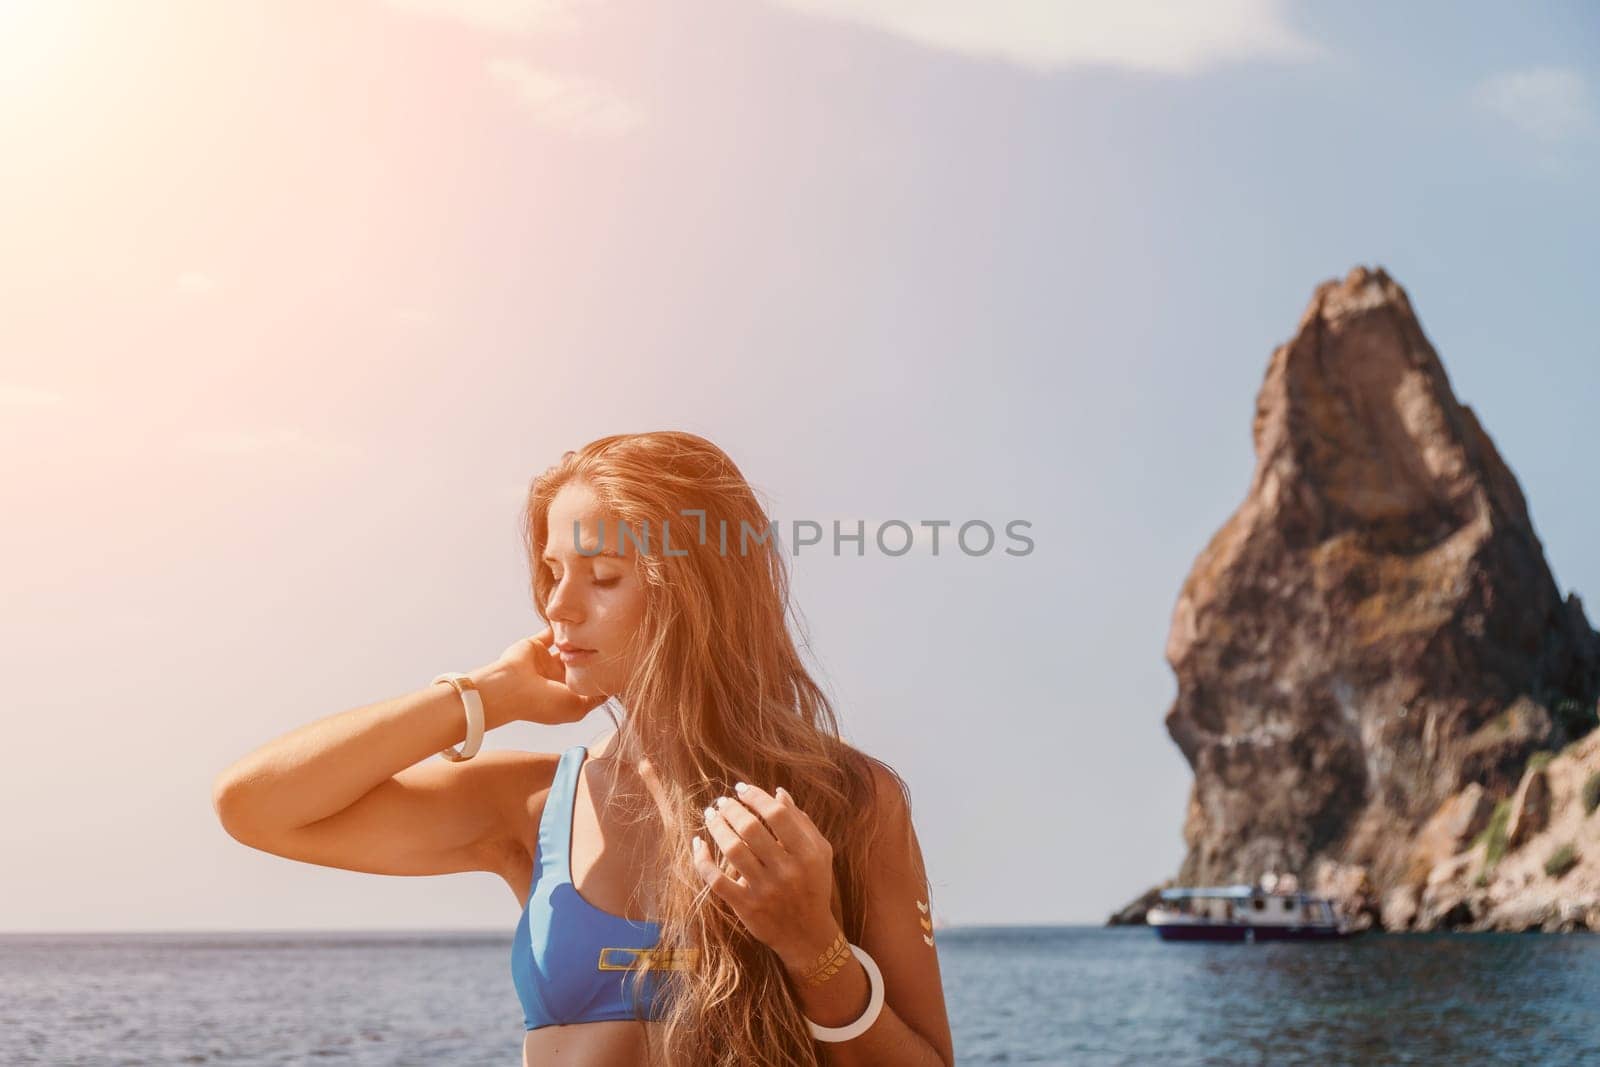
868, 1017
474, 705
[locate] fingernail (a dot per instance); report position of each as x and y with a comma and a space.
720, 801
739, 787
710, 811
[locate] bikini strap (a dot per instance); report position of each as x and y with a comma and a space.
555, 825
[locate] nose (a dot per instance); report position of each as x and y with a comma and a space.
563, 605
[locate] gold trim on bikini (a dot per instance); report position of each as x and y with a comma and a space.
666, 958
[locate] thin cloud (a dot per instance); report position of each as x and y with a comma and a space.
575, 105
1549, 103
1149, 36
193, 283
283, 440
414, 316
27, 396
501, 16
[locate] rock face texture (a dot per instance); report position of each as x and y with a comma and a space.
1549, 880
1371, 648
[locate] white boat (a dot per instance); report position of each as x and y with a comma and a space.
1272, 911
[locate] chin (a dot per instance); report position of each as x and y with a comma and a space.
585, 687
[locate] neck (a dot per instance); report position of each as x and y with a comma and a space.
619, 772
610, 749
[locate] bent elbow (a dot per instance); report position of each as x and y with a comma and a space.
228, 804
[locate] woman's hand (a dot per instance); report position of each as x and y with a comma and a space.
535, 682
779, 878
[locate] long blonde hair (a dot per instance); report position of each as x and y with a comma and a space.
719, 695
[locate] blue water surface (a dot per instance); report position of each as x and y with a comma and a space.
1045, 995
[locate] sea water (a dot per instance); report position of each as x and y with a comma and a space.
1044, 995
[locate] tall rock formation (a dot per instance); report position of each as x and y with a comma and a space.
1375, 629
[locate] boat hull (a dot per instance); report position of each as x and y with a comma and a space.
1246, 932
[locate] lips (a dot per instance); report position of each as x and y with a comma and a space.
571, 653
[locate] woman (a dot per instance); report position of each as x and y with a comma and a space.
720, 879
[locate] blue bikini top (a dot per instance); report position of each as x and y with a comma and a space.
573, 962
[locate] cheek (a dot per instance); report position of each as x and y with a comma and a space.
630, 614
620, 611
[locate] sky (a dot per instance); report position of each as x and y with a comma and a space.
296, 298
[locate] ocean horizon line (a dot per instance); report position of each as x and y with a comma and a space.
425, 931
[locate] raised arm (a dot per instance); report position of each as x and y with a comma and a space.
359, 790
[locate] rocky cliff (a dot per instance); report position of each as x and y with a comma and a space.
1372, 648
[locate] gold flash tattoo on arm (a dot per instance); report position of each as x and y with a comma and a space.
926, 921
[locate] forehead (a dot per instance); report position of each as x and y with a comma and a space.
576, 509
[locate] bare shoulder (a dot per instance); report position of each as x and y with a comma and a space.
884, 798
888, 786
891, 800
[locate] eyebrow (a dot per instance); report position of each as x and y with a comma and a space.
611, 552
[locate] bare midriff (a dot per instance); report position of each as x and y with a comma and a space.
605, 1043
